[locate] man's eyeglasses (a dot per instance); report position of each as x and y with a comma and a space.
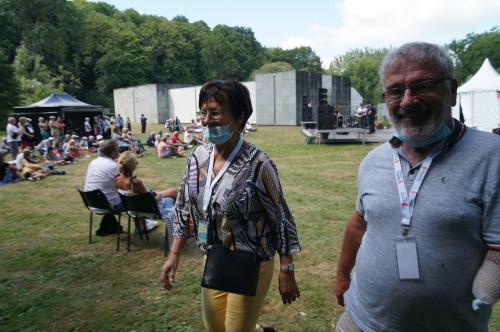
417, 89
215, 114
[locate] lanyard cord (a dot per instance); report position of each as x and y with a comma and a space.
407, 202
209, 184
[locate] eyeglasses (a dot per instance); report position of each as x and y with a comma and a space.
417, 89
214, 114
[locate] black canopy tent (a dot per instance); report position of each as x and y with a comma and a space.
70, 109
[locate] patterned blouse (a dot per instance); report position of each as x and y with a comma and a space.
246, 199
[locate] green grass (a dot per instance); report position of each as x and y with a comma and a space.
51, 279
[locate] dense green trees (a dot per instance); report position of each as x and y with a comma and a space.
470, 52
9, 88
90, 48
362, 66
301, 58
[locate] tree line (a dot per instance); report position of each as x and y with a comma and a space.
87, 49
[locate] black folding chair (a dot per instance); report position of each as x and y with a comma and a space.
138, 207
96, 202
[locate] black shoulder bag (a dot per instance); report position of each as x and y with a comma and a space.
231, 271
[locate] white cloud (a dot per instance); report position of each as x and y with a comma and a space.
386, 23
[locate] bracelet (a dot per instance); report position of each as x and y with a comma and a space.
287, 267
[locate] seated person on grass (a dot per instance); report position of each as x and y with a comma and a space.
8, 171
166, 150
30, 170
192, 138
151, 140
128, 184
52, 157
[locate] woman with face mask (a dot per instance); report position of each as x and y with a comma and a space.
233, 196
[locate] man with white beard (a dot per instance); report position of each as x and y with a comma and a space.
425, 234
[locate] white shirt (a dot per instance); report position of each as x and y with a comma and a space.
88, 128
19, 161
10, 130
101, 175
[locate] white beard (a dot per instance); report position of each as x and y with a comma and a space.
419, 132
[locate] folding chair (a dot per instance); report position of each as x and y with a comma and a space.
96, 202
138, 207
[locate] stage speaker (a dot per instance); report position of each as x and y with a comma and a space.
322, 96
326, 117
307, 114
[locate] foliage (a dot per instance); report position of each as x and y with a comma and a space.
53, 280
231, 53
34, 77
362, 66
9, 88
470, 52
273, 67
90, 48
301, 58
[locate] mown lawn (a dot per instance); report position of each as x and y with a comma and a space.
51, 279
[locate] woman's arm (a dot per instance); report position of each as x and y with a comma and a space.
284, 225
169, 268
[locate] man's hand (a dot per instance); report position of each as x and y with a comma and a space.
288, 287
167, 274
341, 286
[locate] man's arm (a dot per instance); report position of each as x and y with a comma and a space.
353, 234
486, 288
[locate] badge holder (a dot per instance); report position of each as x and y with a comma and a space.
406, 253
202, 232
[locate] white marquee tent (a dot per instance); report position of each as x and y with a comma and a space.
479, 99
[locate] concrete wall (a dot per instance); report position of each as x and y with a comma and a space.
150, 100
276, 98
183, 102
264, 104
124, 102
308, 84
279, 96
327, 83
145, 102
338, 91
285, 101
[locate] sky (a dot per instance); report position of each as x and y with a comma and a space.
333, 27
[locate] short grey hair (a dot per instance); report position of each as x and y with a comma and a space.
106, 148
429, 54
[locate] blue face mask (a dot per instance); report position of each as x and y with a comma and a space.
441, 133
218, 134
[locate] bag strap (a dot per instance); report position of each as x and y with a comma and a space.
236, 232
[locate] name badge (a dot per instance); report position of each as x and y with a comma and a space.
406, 252
202, 231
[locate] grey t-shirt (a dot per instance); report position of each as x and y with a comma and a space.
456, 212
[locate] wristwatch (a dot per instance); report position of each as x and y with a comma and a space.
287, 267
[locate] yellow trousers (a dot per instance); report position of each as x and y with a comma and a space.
228, 312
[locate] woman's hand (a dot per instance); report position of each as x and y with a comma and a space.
167, 274
288, 287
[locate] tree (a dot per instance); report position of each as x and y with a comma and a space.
469, 53
362, 67
35, 79
9, 87
301, 58
231, 53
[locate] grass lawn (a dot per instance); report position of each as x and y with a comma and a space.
51, 279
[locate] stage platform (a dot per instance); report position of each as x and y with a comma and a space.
346, 135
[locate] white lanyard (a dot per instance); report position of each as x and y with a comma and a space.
209, 185
408, 201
